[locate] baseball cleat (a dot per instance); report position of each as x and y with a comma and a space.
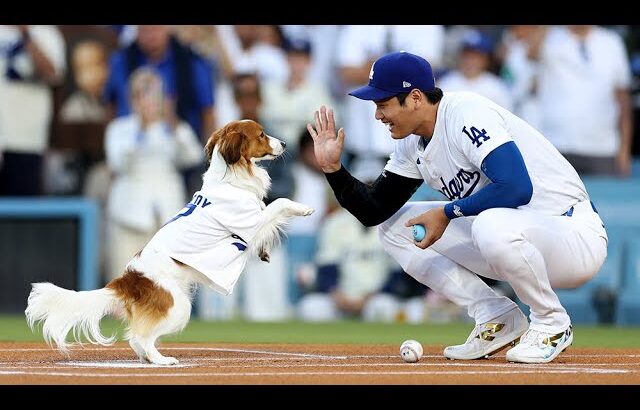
489, 338
540, 347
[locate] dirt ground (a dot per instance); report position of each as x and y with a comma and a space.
273, 364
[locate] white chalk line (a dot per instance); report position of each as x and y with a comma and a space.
501, 368
195, 361
510, 368
316, 373
341, 357
138, 364
122, 364
215, 349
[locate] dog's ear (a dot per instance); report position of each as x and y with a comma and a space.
214, 138
230, 146
209, 146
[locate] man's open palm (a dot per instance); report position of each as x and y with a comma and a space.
326, 143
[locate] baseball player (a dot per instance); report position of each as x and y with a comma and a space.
517, 210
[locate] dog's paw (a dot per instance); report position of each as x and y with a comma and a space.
165, 361
307, 211
298, 209
264, 255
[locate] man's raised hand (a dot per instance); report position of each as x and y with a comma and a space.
327, 144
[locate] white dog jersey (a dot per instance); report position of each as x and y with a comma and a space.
212, 233
468, 127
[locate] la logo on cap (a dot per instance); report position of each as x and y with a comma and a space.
406, 84
371, 72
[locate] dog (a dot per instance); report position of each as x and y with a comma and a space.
208, 242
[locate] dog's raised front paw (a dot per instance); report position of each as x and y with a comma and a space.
301, 210
306, 211
264, 255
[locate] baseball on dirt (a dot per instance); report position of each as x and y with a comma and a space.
411, 351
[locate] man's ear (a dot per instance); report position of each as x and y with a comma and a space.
417, 96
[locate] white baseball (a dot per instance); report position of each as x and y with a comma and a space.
411, 351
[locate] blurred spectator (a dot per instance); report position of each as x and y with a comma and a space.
351, 268
247, 93
81, 124
126, 33
31, 62
90, 71
289, 106
454, 37
324, 44
250, 53
243, 50
585, 107
187, 76
633, 46
311, 188
472, 73
359, 46
144, 150
520, 73
270, 34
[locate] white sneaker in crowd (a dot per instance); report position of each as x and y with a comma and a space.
490, 337
540, 347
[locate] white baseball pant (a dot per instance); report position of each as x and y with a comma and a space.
531, 251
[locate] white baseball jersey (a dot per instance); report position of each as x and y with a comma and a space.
468, 127
211, 233
576, 89
486, 84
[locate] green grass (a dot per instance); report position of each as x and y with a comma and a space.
14, 328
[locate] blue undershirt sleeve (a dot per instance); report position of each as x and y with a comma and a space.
510, 185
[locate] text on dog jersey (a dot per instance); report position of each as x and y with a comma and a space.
199, 199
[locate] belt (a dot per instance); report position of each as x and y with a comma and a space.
570, 211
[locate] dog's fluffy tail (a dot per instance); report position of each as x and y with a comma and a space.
62, 310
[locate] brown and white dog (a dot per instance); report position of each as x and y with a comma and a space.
154, 293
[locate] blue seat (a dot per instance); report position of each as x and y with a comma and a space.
635, 168
628, 307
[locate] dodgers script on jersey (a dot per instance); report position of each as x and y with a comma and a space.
211, 233
468, 127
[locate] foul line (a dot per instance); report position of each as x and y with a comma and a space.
215, 349
316, 373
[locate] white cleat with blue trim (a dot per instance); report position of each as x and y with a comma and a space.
540, 347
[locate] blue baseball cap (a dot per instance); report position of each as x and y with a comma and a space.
297, 45
475, 40
396, 73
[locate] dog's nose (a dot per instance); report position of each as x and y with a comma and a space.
284, 144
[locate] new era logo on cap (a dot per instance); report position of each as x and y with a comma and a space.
396, 73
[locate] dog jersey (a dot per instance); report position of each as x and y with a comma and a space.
212, 233
468, 127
